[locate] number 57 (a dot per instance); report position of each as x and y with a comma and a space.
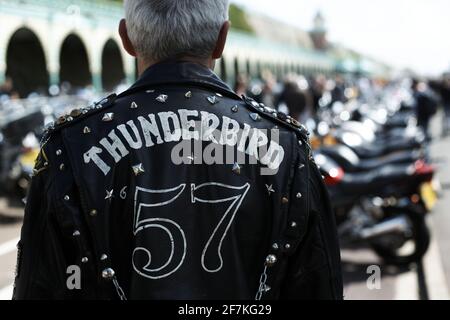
211, 193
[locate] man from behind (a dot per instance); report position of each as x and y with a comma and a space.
177, 188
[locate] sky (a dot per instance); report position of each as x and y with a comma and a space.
404, 33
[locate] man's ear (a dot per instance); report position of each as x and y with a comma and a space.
126, 42
221, 41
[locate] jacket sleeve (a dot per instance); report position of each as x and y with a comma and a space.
314, 271
40, 250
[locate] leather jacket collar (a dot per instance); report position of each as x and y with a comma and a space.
180, 72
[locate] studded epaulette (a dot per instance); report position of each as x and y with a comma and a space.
75, 116
280, 118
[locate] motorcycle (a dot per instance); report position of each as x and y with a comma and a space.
385, 207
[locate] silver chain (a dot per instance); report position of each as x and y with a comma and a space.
119, 290
263, 288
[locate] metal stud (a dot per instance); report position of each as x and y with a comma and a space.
109, 194
188, 95
76, 233
237, 168
138, 169
76, 113
296, 123
235, 109
162, 98
108, 274
133, 105
104, 257
61, 120
287, 246
108, 117
93, 213
101, 103
299, 195
59, 152
271, 260
49, 127
269, 110
255, 116
85, 260
62, 167
302, 166
275, 246
270, 189
293, 224
285, 200
66, 198
86, 130
213, 100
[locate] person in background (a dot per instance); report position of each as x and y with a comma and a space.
318, 88
268, 93
445, 96
7, 88
338, 92
425, 105
241, 86
294, 98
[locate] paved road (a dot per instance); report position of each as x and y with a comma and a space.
429, 280
10, 223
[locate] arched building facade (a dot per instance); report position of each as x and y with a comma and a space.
76, 42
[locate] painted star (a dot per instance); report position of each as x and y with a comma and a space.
270, 189
109, 195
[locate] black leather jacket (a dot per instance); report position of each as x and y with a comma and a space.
119, 199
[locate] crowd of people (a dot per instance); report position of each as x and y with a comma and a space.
303, 97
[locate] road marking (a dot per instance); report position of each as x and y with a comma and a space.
6, 293
8, 247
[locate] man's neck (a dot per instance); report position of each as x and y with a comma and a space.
144, 65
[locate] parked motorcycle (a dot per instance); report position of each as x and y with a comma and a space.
385, 208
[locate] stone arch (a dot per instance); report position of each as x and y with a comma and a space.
26, 63
74, 62
113, 70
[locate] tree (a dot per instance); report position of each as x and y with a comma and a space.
238, 17
239, 20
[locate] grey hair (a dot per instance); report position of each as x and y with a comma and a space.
164, 29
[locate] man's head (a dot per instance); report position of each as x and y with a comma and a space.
158, 30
